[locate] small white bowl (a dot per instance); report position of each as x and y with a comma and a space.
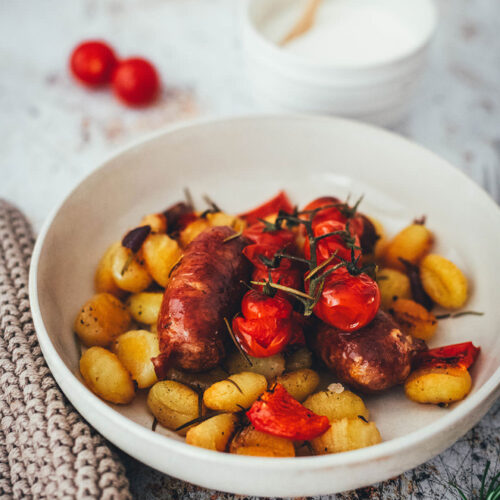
377, 90
241, 162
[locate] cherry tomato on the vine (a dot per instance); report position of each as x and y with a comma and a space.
336, 243
330, 212
93, 63
287, 273
266, 327
348, 302
136, 82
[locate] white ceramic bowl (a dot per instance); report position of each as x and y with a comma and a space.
241, 162
378, 91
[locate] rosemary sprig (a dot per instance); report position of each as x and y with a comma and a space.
236, 343
232, 237
458, 314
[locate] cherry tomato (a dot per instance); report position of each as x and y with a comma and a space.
348, 302
266, 326
286, 274
135, 81
359, 224
93, 62
328, 213
335, 243
462, 355
274, 205
281, 239
278, 414
256, 305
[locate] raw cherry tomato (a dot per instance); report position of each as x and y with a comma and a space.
280, 239
93, 62
266, 326
274, 205
348, 302
135, 81
335, 243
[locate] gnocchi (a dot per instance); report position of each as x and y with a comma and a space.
101, 320
106, 376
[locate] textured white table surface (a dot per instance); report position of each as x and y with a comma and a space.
53, 132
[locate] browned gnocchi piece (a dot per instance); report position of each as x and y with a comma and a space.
393, 285
135, 350
173, 404
337, 405
157, 222
129, 271
296, 360
236, 392
346, 434
145, 306
270, 367
413, 318
223, 219
443, 281
250, 441
192, 230
411, 244
214, 433
161, 254
101, 320
438, 385
103, 279
106, 376
300, 383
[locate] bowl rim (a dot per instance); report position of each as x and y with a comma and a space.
270, 50
91, 406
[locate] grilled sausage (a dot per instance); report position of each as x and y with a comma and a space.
203, 290
371, 359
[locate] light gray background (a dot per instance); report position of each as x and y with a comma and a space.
52, 132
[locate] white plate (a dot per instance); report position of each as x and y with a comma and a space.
241, 162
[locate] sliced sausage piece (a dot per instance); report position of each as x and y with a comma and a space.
205, 288
371, 359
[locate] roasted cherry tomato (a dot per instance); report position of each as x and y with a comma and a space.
330, 212
274, 205
286, 274
348, 302
359, 224
266, 326
335, 243
281, 239
136, 82
93, 62
278, 414
461, 355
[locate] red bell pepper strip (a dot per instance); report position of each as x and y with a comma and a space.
461, 355
274, 205
278, 414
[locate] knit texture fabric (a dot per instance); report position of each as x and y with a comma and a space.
47, 451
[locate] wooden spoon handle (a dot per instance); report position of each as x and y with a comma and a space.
304, 23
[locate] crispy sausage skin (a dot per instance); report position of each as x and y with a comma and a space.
371, 359
203, 290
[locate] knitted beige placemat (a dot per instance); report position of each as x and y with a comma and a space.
47, 451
